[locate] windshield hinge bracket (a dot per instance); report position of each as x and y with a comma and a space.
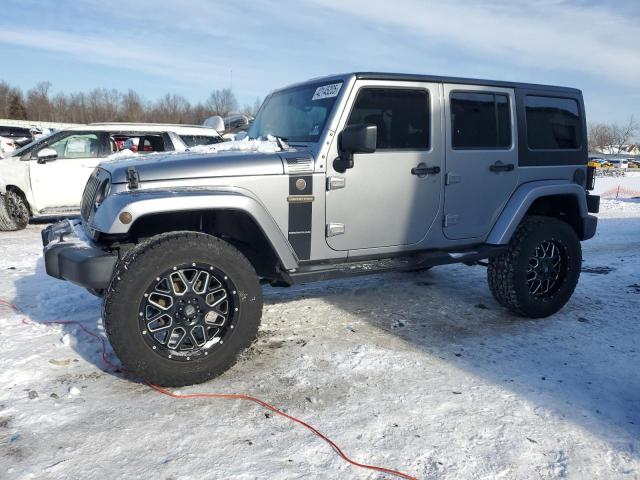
133, 178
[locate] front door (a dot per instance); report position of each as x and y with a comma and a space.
390, 197
481, 158
57, 185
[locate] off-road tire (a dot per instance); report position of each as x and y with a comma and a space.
139, 268
507, 273
14, 213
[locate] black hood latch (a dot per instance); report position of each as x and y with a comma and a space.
133, 178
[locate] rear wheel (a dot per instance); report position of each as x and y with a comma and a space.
538, 273
14, 213
181, 307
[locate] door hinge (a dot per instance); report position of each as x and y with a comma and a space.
452, 178
334, 183
450, 220
334, 229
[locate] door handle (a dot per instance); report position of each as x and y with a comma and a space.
422, 170
502, 167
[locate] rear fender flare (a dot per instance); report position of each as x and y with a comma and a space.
521, 201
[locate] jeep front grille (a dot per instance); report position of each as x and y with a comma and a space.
96, 182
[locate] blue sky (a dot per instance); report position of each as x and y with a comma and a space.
191, 47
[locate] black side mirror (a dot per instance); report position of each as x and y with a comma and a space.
358, 138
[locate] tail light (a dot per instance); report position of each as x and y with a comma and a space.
591, 178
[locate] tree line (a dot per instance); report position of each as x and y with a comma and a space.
612, 137
110, 105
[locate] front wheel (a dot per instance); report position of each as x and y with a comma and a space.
538, 273
14, 213
181, 307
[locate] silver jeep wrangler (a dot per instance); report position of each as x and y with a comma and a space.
370, 172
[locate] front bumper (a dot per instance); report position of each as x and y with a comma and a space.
69, 255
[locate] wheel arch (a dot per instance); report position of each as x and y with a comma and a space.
236, 227
236, 218
557, 199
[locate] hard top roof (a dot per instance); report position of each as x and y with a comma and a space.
474, 81
412, 77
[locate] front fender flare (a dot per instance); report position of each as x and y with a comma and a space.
146, 202
523, 198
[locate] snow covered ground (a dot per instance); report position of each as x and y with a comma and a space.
420, 372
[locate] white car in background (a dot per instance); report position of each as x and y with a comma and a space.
619, 162
47, 177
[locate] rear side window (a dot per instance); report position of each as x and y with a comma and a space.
552, 123
137, 143
401, 115
193, 140
480, 121
14, 132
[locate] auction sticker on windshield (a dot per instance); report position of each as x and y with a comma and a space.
327, 91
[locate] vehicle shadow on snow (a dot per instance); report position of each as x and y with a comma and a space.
46, 300
566, 364
579, 365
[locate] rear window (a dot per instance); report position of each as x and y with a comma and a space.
194, 140
14, 132
151, 142
480, 121
552, 123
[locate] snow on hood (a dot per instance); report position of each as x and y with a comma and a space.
268, 145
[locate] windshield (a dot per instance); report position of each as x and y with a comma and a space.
297, 114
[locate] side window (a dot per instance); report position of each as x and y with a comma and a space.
552, 123
401, 115
82, 145
150, 143
480, 121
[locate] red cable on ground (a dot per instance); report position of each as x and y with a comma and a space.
233, 396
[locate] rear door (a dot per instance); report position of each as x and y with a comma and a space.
481, 157
57, 185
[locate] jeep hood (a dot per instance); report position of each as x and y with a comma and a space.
184, 165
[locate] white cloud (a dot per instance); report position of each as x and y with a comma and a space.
546, 34
270, 43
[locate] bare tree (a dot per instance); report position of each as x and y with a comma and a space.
623, 134
16, 108
38, 104
611, 138
600, 137
252, 110
170, 108
132, 107
256, 106
222, 102
5, 91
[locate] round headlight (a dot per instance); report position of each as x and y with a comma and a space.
102, 193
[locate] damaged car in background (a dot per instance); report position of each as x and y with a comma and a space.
47, 177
